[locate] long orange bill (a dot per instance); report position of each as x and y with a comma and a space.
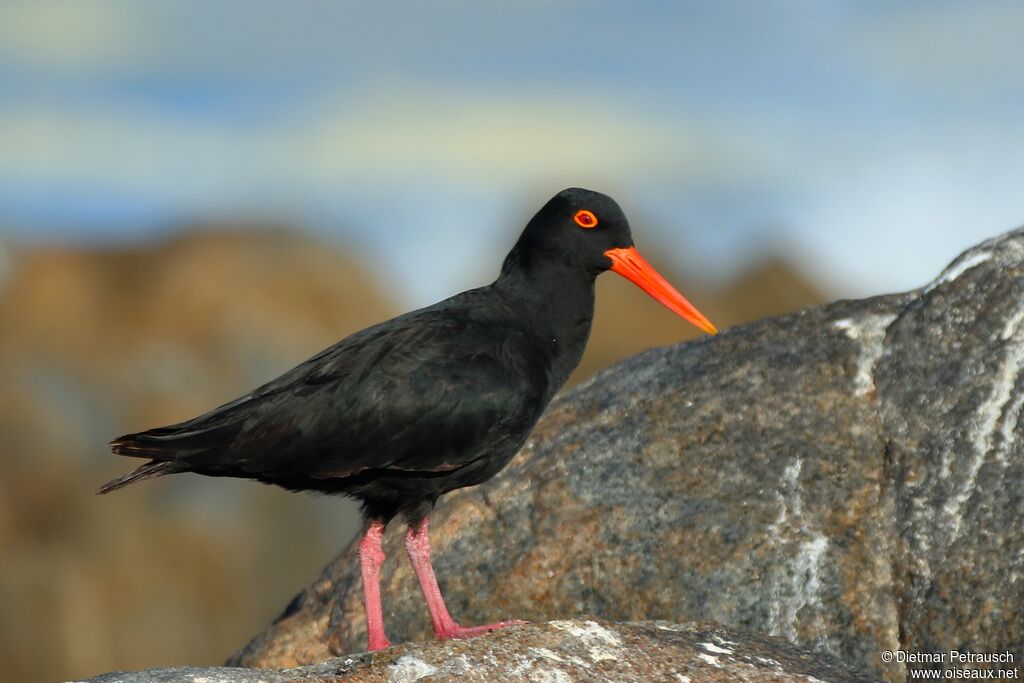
627, 262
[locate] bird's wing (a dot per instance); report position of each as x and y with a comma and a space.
430, 402
419, 393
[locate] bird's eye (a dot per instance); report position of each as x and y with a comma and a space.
585, 219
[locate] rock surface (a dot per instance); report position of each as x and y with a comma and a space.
848, 477
558, 651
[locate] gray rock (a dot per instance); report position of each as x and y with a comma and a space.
848, 477
953, 390
559, 651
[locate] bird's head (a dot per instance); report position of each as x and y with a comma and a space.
588, 230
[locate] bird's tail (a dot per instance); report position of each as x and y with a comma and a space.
170, 449
170, 443
153, 468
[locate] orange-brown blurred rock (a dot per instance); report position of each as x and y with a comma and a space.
98, 341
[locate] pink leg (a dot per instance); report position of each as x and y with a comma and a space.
371, 557
417, 544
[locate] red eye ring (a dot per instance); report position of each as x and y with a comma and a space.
585, 219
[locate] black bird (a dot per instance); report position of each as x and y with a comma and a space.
440, 398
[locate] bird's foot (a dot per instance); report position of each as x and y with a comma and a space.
456, 631
378, 644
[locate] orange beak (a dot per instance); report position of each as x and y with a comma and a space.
627, 262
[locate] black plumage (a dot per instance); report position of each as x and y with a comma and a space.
437, 399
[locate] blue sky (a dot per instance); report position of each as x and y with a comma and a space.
871, 141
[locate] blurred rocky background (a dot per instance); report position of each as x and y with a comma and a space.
194, 197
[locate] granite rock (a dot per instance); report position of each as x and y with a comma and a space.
558, 651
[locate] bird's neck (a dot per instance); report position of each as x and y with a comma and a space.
556, 301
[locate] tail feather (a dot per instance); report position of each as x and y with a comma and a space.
170, 449
153, 468
168, 443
